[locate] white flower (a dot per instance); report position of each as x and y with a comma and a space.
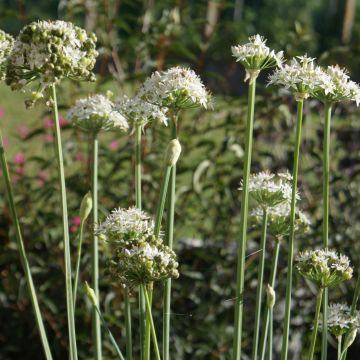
301, 77
325, 267
177, 88
335, 86
256, 56
49, 51
269, 189
6, 45
139, 112
96, 113
125, 226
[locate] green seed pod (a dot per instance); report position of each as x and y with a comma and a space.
173, 152
86, 206
271, 296
90, 293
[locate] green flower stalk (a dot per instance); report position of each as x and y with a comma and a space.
23, 256
270, 302
94, 114
254, 56
177, 89
85, 210
334, 86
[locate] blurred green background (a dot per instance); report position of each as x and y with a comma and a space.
135, 38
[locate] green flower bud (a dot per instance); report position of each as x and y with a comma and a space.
270, 296
173, 152
350, 338
90, 293
86, 206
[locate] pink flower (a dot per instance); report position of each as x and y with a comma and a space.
76, 220
114, 145
62, 121
48, 123
43, 177
79, 156
19, 158
6, 142
15, 179
2, 113
49, 138
20, 171
23, 132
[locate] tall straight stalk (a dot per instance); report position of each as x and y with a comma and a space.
270, 340
142, 305
267, 321
316, 323
259, 286
326, 171
78, 260
169, 237
68, 279
285, 341
23, 257
96, 327
339, 339
243, 224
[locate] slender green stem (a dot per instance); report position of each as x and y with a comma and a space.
285, 340
149, 291
243, 225
95, 250
142, 306
270, 340
169, 237
78, 261
339, 338
68, 278
23, 257
326, 171
274, 265
148, 309
259, 289
316, 323
111, 337
128, 325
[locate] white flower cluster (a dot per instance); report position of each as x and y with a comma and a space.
49, 51
335, 85
137, 256
340, 320
326, 268
279, 219
139, 112
97, 113
256, 56
125, 226
6, 45
177, 88
268, 189
301, 77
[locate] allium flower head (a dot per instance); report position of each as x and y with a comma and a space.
143, 264
256, 56
97, 113
126, 226
269, 189
335, 86
340, 320
6, 45
139, 112
279, 220
49, 51
176, 88
326, 268
300, 76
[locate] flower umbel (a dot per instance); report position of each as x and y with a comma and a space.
139, 112
326, 268
256, 56
176, 88
97, 113
49, 51
6, 45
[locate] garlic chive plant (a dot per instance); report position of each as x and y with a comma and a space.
6, 46
334, 86
254, 56
175, 89
326, 269
44, 53
140, 113
93, 115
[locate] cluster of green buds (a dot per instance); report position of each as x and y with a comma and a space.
49, 51
137, 256
6, 45
325, 268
